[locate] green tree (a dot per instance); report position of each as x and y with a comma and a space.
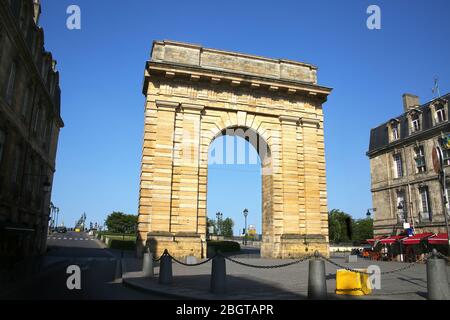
226, 227
340, 226
121, 223
362, 229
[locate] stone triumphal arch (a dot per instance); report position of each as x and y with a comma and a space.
195, 94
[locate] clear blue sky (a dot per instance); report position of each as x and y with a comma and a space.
102, 67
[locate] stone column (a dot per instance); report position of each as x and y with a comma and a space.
185, 187
290, 174
291, 240
313, 184
160, 152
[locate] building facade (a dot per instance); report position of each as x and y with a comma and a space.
406, 191
196, 94
30, 122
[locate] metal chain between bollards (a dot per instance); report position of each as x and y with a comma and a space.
382, 273
440, 255
192, 264
307, 257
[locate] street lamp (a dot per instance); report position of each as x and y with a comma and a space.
219, 216
401, 212
51, 217
57, 214
368, 213
245, 230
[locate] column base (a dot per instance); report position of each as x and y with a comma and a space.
179, 245
297, 246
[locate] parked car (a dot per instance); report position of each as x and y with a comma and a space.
61, 229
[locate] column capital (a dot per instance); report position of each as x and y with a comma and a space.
310, 123
290, 120
192, 108
167, 105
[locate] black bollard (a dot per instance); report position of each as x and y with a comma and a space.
147, 265
437, 279
218, 275
317, 285
165, 269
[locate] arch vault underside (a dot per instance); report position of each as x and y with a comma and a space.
194, 94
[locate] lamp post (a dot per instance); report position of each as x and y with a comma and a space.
219, 216
51, 217
401, 212
369, 213
439, 168
57, 214
245, 233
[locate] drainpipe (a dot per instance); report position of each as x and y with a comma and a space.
409, 191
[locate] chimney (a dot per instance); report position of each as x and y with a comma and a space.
37, 10
410, 101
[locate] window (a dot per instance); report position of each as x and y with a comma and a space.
24, 23
415, 122
398, 167
42, 126
2, 144
49, 137
425, 213
26, 101
11, 83
15, 168
37, 119
446, 156
420, 159
44, 69
29, 172
395, 133
440, 114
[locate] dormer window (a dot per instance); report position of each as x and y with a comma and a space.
395, 133
394, 130
415, 121
441, 116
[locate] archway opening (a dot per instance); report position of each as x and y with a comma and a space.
239, 194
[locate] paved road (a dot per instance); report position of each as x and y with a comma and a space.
98, 271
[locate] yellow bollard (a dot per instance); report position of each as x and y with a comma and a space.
353, 283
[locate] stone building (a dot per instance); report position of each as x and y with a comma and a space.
30, 122
405, 188
195, 94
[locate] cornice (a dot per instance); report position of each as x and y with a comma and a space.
234, 79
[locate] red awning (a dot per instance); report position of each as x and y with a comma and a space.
415, 239
391, 239
441, 238
372, 241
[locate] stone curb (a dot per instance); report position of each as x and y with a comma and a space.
128, 282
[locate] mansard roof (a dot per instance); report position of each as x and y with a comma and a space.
379, 136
